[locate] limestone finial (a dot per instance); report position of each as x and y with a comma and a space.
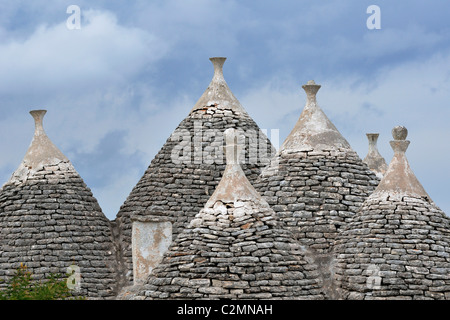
38, 116
311, 89
218, 66
41, 152
400, 144
218, 94
399, 133
313, 130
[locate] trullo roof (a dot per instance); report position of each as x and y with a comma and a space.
185, 172
398, 245
234, 248
49, 220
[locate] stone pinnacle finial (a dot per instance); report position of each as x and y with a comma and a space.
399, 145
41, 152
38, 116
399, 133
399, 180
311, 89
218, 94
218, 65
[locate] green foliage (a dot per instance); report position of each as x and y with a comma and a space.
23, 287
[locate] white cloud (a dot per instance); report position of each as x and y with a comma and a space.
55, 58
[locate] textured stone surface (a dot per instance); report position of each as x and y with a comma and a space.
185, 172
221, 255
398, 245
395, 250
234, 248
315, 182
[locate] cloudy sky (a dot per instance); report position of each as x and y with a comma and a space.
117, 87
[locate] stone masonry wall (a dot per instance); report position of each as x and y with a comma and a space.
180, 190
395, 250
234, 251
316, 193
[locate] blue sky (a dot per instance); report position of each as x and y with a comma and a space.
116, 88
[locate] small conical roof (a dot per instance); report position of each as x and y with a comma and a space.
41, 151
188, 167
374, 159
397, 245
218, 93
49, 220
399, 179
316, 181
235, 249
313, 130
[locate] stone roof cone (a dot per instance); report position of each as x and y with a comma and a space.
49, 220
398, 245
218, 93
374, 159
316, 181
187, 169
313, 130
234, 248
399, 179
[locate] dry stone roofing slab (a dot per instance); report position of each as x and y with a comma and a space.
398, 245
374, 159
49, 220
316, 182
234, 248
185, 172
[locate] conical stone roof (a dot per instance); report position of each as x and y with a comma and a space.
49, 220
315, 182
234, 248
185, 172
398, 245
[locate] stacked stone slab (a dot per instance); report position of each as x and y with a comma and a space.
187, 169
398, 245
49, 220
374, 159
234, 248
315, 182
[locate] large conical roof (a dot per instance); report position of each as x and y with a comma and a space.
234, 248
49, 220
316, 181
185, 172
313, 130
398, 245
